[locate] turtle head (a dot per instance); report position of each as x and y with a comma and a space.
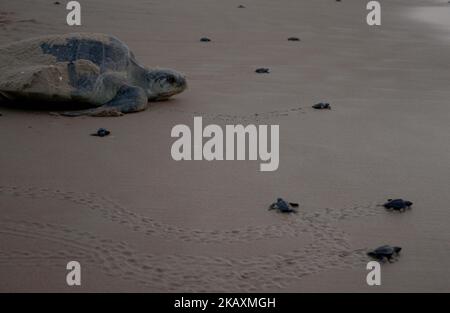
397, 249
164, 83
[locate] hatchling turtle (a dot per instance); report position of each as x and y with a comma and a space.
398, 204
322, 106
284, 206
262, 70
101, 132
97, 71
385, 252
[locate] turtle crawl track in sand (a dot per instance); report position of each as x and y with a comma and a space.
318, 222
238, 118
179, 273
329, 248
94, 70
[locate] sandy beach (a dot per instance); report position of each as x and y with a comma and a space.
138, 221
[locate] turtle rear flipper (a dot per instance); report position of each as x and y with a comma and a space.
375, 256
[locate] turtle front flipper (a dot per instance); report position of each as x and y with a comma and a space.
129, 99
102, 111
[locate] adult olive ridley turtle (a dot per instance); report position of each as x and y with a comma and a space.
384, 252
96, 70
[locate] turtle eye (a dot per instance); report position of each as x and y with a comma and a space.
171, 80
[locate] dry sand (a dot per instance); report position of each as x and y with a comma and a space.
138, 221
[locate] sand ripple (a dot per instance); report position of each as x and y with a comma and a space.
330, 247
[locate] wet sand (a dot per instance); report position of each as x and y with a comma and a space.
138, 221
436, 14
